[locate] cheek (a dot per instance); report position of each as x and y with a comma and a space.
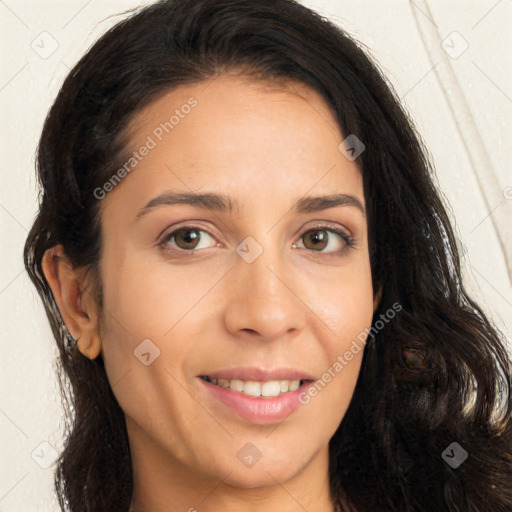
145, 306
343, 302
147, 296
146, 336
346, 308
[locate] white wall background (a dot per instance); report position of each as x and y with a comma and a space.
461, 100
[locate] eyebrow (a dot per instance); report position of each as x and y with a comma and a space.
226, 203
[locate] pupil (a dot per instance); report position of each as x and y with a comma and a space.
318, 237
189, 236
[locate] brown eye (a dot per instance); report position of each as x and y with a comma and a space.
316, 239
326, 241
186, 238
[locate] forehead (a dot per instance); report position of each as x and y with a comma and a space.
237, 105
241, 136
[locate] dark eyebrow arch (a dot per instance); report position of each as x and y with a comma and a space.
208, 201
310, 204
226, 203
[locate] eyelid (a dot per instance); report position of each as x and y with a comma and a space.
343, 233
163, 239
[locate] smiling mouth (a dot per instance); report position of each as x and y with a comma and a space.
263, 389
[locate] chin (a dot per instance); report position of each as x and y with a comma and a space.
252, 478
265, 472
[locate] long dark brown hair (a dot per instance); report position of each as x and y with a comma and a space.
387, 452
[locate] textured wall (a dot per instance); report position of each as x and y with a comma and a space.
450, 63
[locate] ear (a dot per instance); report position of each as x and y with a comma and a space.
376, 299
76, 305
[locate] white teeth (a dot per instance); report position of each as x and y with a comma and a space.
294, 384
224, 383
272, 388
252, 388
237, 385
266, 389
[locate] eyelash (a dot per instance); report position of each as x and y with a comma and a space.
349, 241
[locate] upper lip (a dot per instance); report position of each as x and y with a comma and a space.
259, 374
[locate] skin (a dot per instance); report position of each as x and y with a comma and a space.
295, 306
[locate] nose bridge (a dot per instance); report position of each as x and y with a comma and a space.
263, 265
263, 300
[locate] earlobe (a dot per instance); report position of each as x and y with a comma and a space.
75, 304
89, 345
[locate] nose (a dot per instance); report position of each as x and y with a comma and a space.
263, 298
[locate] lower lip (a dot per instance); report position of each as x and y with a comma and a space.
255, 409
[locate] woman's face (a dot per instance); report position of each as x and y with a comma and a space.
265, 285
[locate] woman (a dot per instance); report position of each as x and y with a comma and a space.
252, 281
